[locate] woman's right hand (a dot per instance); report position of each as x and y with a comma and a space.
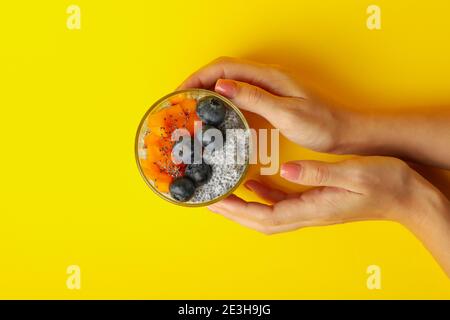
276, 95
361, 188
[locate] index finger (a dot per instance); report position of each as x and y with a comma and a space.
254, 215
265, 76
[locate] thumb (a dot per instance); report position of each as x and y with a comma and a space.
317, 173
248, 97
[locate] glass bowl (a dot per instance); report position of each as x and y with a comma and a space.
164, 102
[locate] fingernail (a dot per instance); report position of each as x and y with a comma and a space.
290, 171
227, 88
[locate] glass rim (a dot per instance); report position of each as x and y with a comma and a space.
136, 148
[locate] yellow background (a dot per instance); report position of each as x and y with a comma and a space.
71, 101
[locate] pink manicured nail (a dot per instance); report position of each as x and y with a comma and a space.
227, 88
290, 171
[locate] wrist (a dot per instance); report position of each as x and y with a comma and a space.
429, 221
367, 133
426, 206
355, 133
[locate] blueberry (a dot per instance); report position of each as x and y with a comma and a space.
211, 110
183, 150
182, 189
210, 134
198, 173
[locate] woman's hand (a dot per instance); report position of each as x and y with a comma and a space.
276, 95
304, 117
363, 188
358, 189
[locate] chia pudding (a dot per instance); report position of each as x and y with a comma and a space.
193, 147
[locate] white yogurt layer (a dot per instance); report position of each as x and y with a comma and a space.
228, 164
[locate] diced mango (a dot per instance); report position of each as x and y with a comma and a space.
150, 169
189, 105
154, 153
165, 145
161, 154
144, 163
175, 118
152, 139
173, 112
160, 131
177, 99
157, 119
162, 182
159, 166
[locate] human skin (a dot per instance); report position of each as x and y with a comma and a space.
362, 188
306, 119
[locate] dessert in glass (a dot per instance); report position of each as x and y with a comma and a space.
192, 147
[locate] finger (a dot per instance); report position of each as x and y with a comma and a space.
282, 213
237, 210
268, 230
255, 225
261, 75
251, 98
268, 194
249, 210
223, 208
317, 173
316, 207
